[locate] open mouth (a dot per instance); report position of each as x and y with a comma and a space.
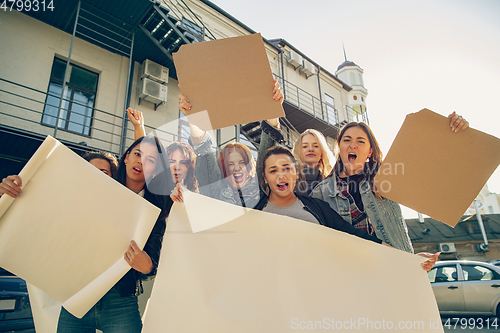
238, 177
283, 186
351, 157
137, 170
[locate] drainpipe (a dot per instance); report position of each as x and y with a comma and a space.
282, 74
66, 71
484, 246
128, 94
320, 95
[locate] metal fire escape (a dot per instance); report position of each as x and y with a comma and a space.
173, 24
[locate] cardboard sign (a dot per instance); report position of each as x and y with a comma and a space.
68, 230
262, 272
228, 82
435, 171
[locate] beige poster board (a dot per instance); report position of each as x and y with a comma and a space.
268, 273
45, 310
228, 82
67, 232
435, 171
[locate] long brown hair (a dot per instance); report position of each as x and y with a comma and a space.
240, 148
190, 181
374, 161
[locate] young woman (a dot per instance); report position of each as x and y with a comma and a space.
117, 311
279, 177
181, 157
316, 160
350, 190
103, 161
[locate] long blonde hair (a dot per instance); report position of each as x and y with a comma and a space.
327, 157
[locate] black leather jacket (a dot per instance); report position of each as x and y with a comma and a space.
326, 216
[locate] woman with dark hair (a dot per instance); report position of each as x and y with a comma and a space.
118, 311
279, 177
104, 161
350, 188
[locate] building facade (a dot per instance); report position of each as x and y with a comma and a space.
72, 70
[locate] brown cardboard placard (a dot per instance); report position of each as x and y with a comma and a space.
228, 82
435, 171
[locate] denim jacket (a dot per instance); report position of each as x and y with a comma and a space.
385, 215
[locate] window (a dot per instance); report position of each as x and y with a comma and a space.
353, 79
443, 274
330, 109
78, 99
194, 29
476, 272
360, 79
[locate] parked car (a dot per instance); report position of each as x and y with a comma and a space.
494, 262
466, 287
15, 310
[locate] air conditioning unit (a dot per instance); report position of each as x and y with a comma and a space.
155, 72
308, 68
294, 59
153, 92
447, 248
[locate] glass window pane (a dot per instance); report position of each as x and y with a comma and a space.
58, 69
78, 118
443, 274
81, 116
83, 78
476, 273
52, 105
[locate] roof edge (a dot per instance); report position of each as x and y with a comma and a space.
235, 20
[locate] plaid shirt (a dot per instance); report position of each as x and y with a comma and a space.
359, 218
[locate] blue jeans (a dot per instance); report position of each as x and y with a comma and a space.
112, 314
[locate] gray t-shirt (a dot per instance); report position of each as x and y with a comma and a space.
295, 210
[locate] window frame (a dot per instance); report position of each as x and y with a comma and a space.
70, 100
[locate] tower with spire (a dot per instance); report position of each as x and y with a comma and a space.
352, 74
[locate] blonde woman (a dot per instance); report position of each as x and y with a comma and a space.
316, 160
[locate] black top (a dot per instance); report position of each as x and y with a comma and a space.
130, 284
353, 182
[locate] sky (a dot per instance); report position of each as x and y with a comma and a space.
443, 55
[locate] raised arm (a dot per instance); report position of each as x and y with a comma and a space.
197, 133
137, 121
206, 169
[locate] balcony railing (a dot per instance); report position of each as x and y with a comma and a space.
307, 102
319, 109
21, 107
